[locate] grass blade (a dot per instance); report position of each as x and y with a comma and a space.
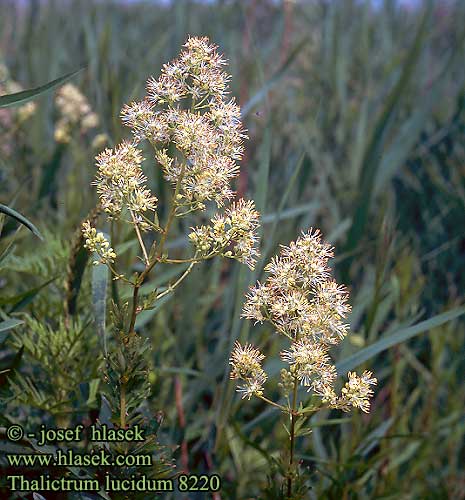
23, 299
19, 98
21, 219
261, 94
9, 324
6, 326
398, 337
374, 151
99, 299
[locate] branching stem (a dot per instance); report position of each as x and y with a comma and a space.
276, 405
294, 415
177, 282
151, 264
139, 237
123, 405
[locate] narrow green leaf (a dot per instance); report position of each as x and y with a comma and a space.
406, 454
48, 184
182, 371
19, 98
76, 272
374, 151
93, 387
23, 299
263, 171
8, 250
397, 337
261, 94
145, 316
372, 439
6, 326
21, 219
332, 421
289, 213
99, 299
411, 129
105, 413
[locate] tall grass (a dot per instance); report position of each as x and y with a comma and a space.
355, 118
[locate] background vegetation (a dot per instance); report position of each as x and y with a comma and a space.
356, 122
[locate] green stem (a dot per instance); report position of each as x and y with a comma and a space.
118, 275
177, 282
276, 405
150, 265
135, 297
292, 437
139, 237
114, 286
180, 261
123, 406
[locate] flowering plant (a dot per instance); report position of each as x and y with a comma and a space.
196, 135
302, 303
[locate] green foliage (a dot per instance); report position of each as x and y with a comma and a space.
21, 219
60, 359
127, 391
126, 370
356, 124
49, 258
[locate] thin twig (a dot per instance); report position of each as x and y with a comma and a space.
150, 265
139, 237
177, 282
292, 437
276, 405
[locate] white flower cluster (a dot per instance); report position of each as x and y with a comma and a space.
304, 304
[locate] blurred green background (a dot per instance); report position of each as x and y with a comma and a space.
356, 119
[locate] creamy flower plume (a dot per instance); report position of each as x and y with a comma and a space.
301, 300
196, 72
75, 111
298, 296
357, 392
121, 182
96, 242
196, 134
187, 108
246, 365
311, 362
232, 235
